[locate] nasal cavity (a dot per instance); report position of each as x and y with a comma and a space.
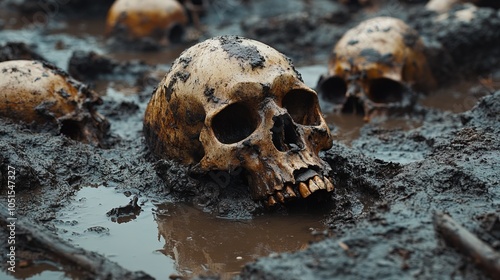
285, 134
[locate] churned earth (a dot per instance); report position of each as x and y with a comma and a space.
118, 213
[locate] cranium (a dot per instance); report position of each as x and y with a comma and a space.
161, 21
231, 102
375, 68
43, 95
444, 6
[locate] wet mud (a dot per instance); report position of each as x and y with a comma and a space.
391, 175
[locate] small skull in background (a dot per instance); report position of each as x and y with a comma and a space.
231, 102
441, 6
444, 6
42, 95
152, 22
375, 69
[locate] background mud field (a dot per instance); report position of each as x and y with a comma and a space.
115, 212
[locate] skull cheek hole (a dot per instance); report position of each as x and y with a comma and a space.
235, 123
385, 90
302, 106
334, 90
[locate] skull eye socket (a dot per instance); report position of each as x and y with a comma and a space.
302, 106
234, 123
385, 90
334, 90
176, 33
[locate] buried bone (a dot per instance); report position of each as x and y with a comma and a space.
376, 68
231, 102
45, 97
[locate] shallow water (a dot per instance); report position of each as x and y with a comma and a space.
173, 238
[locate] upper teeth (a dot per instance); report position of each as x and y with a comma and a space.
305, 189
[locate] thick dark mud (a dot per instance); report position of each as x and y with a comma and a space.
391, 176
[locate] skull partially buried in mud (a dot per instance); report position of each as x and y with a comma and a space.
45, 97
376, 68
231, 102
150, 22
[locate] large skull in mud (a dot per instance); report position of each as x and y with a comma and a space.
375, 68
231, 102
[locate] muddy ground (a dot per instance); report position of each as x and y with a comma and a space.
390, 179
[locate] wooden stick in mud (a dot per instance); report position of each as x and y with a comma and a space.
36, 237
460, 238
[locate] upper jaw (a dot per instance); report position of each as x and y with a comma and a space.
306, 183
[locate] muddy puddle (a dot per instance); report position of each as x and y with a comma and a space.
167, 238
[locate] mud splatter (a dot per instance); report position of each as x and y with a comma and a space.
234, 46
373, 55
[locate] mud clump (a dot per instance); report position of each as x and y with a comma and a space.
235, 48
90, 66
18, 51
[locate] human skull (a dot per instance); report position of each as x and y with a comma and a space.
161, 21
42, 95
441, 6
375, 68
232, 102
444, 6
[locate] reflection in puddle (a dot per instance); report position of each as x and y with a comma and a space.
167, 239
199, 242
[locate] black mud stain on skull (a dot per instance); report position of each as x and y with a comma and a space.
181, 75
63, 93
234, 46
185, 60
372, 55
292, 67
352, 42
210, 94
410, 39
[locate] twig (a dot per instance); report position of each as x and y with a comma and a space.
460, 238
